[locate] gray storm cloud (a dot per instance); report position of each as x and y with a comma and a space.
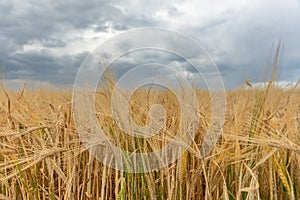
47, 41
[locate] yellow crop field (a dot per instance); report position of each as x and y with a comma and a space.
257, 155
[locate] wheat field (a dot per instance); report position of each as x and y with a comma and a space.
256, 157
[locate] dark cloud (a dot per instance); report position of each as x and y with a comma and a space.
52, 43
39, 20
240, 38
145, 56
44, 67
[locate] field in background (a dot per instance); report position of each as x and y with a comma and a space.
258, 155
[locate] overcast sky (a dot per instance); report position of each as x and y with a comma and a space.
46, 41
